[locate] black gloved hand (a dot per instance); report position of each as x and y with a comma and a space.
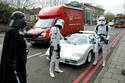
38, 34
106, 41
58, 56
102, 38
57, 51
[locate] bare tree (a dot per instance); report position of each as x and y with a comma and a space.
50, 3
109, 16
34, 3
20, 3
124, 8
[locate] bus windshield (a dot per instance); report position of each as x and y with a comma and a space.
119, 21
44, 23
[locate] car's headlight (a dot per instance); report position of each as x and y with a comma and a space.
76, 56
43, 34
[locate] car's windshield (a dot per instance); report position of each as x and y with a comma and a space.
119, 21
44, 23
77, 39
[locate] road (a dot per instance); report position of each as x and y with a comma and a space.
38, 65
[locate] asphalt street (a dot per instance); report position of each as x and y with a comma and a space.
38, 65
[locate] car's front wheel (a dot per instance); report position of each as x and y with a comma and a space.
89, 57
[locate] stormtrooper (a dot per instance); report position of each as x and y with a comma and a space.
102, 33
55, 46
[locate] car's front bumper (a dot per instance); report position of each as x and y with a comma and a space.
67, 61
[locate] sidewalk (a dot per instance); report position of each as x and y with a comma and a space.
111, 73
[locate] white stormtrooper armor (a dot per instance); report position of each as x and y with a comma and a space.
55, 37
55, 41
102, 33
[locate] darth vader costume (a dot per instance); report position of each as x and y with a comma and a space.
14, 52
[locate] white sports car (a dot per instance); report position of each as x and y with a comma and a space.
77, 49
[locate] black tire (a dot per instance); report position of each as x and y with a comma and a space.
89, 57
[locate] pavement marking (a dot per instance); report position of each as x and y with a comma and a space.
42, 55
34, 55
98, 65
117, 39
114, 41
94, 69
83, 73
88, 68
114, 32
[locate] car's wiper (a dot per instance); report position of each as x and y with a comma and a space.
74, 43
68, 41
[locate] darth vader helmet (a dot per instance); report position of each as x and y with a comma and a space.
18, 20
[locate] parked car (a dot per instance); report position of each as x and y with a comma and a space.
77, 49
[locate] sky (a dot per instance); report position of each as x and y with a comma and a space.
113, 6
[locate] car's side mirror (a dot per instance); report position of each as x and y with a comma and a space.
65, 38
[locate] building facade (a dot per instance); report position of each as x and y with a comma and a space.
91, 13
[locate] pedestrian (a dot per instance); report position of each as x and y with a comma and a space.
102, 33
55, 48
14, 52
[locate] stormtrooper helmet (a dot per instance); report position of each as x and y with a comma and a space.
101, 21
60, 23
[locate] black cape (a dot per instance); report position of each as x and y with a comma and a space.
13, 58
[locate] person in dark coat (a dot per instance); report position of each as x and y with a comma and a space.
14, 52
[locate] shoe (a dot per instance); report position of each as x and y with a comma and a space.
95, 62
52, 75
58, 70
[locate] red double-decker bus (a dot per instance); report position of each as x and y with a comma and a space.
119, 21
